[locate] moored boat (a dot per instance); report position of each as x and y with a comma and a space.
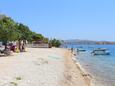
100, 51
80, 50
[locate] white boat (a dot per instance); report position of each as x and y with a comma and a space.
100, 51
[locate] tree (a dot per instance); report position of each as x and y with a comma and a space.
7, 30
11, 31
55, 43
25, 34
37, 37
46, 40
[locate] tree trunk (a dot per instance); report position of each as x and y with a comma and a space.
23, 46
5, 44
20, 45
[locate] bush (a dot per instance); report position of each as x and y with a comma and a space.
55, 43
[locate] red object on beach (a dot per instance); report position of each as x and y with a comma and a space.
12, 48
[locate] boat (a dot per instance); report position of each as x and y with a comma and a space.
100, 51
80, 50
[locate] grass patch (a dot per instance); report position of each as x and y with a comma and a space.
13, 84
18, 78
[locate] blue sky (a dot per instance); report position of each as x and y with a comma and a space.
65, 19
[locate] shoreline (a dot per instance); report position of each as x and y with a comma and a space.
75, 72
87, 77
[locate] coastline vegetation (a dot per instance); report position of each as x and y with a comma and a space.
55, 42
11, 31
14, 31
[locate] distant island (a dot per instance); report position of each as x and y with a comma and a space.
78, 41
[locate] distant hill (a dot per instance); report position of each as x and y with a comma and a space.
78, 41
105, 42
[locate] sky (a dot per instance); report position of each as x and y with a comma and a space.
65, 19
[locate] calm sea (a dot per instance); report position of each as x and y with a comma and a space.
102, 68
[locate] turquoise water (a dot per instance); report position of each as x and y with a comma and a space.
102, 68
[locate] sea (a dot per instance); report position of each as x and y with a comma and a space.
100, 67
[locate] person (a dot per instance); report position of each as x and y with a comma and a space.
72, 49
7, 51
23, 48
77, 51
17, 50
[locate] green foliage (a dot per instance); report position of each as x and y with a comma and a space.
55, 43
46, 40
11, 31
7, 29
24, 32
36, 36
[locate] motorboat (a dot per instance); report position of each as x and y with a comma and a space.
100, 51
80, 50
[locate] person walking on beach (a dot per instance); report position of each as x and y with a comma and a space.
72, 49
